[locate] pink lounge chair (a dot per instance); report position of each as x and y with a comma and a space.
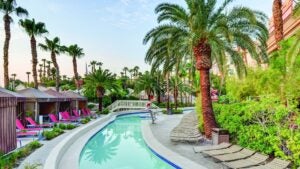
34, 124
69, 117
54, 119
21, 127
66, 117
75, 112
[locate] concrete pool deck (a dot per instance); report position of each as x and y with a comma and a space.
67, 156
161, 131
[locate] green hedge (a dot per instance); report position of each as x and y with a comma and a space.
50, 134
264, 125
11, 160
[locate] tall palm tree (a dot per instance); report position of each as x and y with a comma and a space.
93, 65
8, 7
55, 48
125, 69
76, 53
277, 19
208, 29
99, 64
28, 73
33, 29
41, 72
98, 82
44, 66
48, 69
136, 71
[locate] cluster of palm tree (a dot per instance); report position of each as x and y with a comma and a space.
201, 35
35, 29
131, 73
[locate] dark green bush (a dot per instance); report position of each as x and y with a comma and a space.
85, 120
66, 126
178, 111
49, 135
90, 106
105, 111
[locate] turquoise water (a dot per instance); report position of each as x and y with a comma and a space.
120, 145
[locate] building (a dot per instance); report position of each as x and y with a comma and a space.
290, 24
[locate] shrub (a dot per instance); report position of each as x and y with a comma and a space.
199, 114
49, 135
178, 111
66, 126
85, 120
11, 160
90, 106
105, 111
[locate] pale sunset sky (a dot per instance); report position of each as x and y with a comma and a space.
110, 31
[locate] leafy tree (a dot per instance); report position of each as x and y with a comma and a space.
98, 82
209, 30
9, 7
55, 48
277, 19
33, 29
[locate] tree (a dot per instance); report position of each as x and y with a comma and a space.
44, 66
33, 29
98, 82
277, 19
206, 30
55, 48
125, 69
136, 71
48, 69
93, 65
147, 83
8, 7
76, 53
28, 73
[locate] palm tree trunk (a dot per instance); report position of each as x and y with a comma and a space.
100, 103
168, 96
75, 71
277, 19
202, 53
5, 49
53, 58
34, 61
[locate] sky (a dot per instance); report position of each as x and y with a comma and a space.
110, 31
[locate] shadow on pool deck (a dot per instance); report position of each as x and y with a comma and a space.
161, 130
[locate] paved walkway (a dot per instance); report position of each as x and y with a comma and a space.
161, 130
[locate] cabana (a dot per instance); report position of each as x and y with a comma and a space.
8, 104
78, 101
63, 101
20, 106
38, 102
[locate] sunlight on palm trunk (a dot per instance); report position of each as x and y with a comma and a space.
278, 21
34, 61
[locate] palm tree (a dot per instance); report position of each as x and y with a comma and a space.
33, 29
98, 82
48, 69
44, 65
99, 64
93, 65
147, 83
55, 48
14, 81
125, 69
277, 19
75, 52
205, 30
136, 71
28, 73
41, 72
8, 7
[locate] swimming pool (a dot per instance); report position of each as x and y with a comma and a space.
120, 145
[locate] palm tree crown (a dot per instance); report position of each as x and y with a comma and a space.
55, 48
32, 28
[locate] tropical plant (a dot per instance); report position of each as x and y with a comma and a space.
209, 30
9, 7
93, 65
98, 82
33, 29
76, 53
147, 83
55, 48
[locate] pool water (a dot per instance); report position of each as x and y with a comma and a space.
120, 145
